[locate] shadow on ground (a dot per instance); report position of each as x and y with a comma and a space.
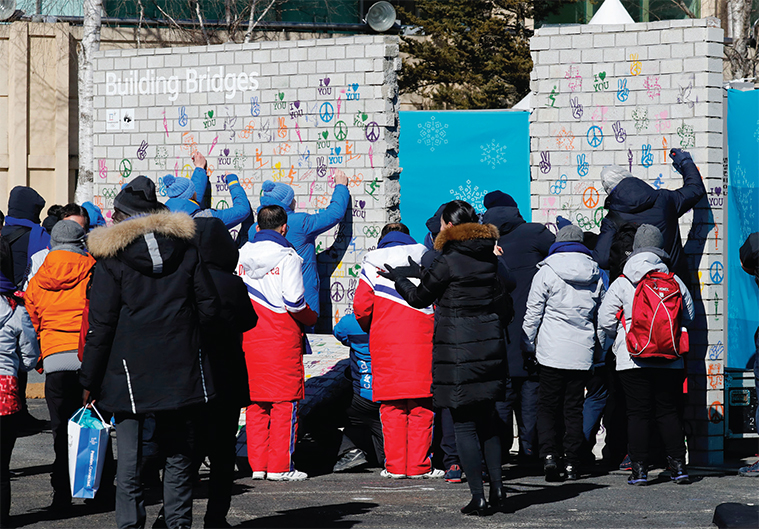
321, 516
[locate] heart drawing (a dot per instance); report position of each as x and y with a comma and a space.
326, 81
325, 134
602, 75
354, 86
281, 96
337, 151
297, 104
226, 153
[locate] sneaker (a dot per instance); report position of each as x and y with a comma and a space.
259, 474
551, 468
677, 471
386, 474
435, 473
453, 474
751, 471
293, 475
570, 471
351, 459
639, 474
626, 464
27, 424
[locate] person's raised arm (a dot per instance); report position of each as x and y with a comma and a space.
240, 209
435, 280
200, 180
693, 188
317, 223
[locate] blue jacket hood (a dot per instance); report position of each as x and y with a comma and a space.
631, 195
177, 205
505, 218
396, 238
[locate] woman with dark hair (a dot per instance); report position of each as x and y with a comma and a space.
469, 352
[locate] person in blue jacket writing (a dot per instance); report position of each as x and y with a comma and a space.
185, 195
304, 228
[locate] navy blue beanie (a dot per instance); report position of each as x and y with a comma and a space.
499, 198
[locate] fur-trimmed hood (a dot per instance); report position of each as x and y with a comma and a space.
109, 241
153, 245
466, 232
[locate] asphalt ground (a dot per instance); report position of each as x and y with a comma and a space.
363, 499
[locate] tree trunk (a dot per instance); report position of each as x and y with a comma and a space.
89, 45
251, 21
739, 23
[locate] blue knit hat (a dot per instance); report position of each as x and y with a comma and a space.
178, 187
277, 194
498, 198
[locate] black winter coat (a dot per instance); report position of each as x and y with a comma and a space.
469, 352
150, 295
636, 201
23, 203
222, 340
524, 245
749, 255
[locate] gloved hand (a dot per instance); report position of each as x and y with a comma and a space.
412, 270
679, 156
231, 179
529, 362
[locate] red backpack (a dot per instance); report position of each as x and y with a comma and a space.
655, 331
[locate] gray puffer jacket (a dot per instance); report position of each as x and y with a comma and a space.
18, 341
559, 324
620, 295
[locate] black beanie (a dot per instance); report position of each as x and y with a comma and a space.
25, 203
499, 198
137, 197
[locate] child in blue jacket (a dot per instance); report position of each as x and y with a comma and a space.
363, 414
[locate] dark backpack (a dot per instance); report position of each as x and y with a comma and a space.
621, 244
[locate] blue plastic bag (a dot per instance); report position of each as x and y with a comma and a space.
88, 440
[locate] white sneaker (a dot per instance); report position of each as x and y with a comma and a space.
293, 475
386, 474
259, 474
432, 474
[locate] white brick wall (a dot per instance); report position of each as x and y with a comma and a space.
266, 135
660, 83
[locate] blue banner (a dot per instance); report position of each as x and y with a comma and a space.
462, 155
742, 219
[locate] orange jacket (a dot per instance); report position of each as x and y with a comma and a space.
55, 300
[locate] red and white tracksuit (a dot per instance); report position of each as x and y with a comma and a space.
271, 270
400, 342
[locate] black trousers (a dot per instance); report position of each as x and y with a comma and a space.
7, 440
63, 394
522, 399
560, 400
477, 435
175, 435
364, 429
615, 416
654, 396
217, 438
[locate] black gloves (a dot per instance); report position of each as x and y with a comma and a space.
412, 270
529, 362
679, 156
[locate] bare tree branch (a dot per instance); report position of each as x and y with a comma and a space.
684, 8
139, 24
200, 19
251, 27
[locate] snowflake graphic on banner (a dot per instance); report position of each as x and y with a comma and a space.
471, 194
756, 134
432, 133
493, 154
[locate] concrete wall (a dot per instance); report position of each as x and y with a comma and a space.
289, 111
625, 95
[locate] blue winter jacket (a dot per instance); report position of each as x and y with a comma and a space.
302, 231
350, 333
636, 201
231, 216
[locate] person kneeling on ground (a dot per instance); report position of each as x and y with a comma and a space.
653, 388
401, 345
559, 329
274, 348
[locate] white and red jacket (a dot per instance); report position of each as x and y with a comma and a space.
271, 270
400, 336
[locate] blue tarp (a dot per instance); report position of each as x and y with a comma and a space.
449, 155
743, 219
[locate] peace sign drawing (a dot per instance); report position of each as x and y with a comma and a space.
590, 197
341, 130
716, 272
326, 112
595, 136
372, 131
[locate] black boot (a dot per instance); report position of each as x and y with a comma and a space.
571, 472
639, 474
551, 468
476, 507
677, 471
497, 498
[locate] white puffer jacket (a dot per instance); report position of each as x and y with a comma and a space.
620, 295
560, 322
